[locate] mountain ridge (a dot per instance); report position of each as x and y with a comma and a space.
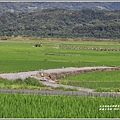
37, 6
61, 23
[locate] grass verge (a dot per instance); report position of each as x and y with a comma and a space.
29, 83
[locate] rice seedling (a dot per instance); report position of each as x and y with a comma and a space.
17, 105
18, 56
100, 81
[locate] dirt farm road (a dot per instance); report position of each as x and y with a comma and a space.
23, 75
81, 90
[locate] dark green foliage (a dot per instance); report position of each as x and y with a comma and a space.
18, 81
38, 45
5, 82
26, 82
33, 82
61, 23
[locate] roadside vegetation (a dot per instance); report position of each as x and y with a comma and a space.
29, 83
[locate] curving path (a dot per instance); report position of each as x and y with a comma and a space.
53, 84
23, 75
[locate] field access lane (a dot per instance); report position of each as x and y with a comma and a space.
23, 75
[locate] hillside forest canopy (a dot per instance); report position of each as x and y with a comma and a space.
59, 22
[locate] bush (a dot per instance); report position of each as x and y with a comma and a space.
19, 81
33, 82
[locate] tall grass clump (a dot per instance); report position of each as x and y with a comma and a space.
33, 82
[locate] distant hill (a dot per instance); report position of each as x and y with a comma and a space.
61, 23
37, 6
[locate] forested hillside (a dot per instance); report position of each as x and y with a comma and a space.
61, 23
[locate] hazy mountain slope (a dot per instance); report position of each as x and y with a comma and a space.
62, 23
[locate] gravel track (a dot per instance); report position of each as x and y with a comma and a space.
52, 84
23, 75
81, 90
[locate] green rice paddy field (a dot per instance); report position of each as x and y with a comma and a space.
100, 81
19, 105
23, 56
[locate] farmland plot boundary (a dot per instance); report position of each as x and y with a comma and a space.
60, 92
97, 48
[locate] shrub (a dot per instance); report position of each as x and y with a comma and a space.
19, 81
33, 81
